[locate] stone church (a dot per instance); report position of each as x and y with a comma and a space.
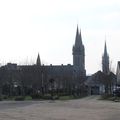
102, 81
67, 76
24, 79
37, 77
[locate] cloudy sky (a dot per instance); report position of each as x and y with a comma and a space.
49, 27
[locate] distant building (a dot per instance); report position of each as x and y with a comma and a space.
118, 73
102, 82
11, 66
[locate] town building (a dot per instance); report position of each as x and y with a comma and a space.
66, 78
103, 81
118, 73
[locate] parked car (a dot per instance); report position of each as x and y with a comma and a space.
116, 92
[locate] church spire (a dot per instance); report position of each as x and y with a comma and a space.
38, 62
79, 55
105, 60
77, 31
78, 51
105, 49
78, 39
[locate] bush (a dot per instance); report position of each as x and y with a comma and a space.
47, 97
66, 98
20, 98
28, 98
1, 99
106, 96
36, 96
5, 97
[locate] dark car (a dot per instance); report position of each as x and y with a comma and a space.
116, 92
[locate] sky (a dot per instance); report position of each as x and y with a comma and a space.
48, 27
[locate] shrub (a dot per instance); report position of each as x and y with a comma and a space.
106, 96
66, 97
28, 98
47, 97
5, 97
1, 99
36, 96
19, 98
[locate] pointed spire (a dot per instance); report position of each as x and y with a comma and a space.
78, 39
77, 32
105, 60
38, 62
105, 49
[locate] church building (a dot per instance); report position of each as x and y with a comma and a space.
68, 79
67, 76
39, 77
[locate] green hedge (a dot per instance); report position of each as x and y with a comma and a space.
19, 98
36, 96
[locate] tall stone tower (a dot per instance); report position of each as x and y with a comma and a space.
105, 61
79, 56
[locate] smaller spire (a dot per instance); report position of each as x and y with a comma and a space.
105, 60
80, 37
38, 62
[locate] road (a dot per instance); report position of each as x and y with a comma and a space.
88, 108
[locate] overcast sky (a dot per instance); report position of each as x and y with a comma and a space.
49, 27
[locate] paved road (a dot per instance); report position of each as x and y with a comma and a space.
88, 108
